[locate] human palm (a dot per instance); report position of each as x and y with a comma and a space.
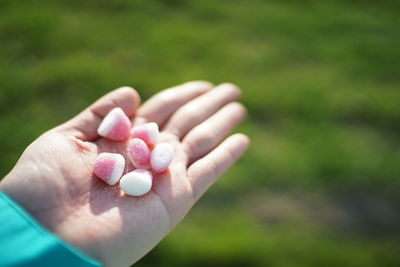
54, 180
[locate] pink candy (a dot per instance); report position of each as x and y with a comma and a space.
115, 125
147, 132
161, 157
139, 153
143, 152
109, 167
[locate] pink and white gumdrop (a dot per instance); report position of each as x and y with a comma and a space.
137, 182
161, 157
139, 153
147, 132
115, 125
109, 167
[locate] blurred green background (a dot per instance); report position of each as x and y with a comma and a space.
321, 80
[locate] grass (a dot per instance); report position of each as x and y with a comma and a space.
320, 80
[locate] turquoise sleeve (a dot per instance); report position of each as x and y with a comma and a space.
24, 242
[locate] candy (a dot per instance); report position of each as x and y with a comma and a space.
139, 153
147, 132
161, 157
115, 125
143, 151
137, 182
109, 167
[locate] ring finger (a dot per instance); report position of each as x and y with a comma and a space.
206, 136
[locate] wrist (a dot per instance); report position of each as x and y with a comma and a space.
21, 188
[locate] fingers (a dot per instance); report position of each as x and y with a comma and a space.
84, 125
200, 108
207, 135
204, 172
160, 107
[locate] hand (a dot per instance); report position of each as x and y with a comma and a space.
53, 179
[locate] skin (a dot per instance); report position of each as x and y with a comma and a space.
53, 180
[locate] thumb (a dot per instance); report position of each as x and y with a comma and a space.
84, 125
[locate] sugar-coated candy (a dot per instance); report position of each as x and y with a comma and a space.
139, 153
115, 125
143, 151
161, 157
137, 182
109, 167
147, 132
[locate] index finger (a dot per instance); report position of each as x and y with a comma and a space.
162, 105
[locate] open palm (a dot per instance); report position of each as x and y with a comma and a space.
54, 180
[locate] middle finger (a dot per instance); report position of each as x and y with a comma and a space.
200, 108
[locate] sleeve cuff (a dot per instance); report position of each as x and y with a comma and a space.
24, 242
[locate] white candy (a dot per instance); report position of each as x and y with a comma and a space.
115, 125
161, 156
137, 182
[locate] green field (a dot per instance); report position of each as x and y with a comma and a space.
321, 80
